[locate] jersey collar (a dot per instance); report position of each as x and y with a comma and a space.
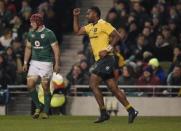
100, 20
40, 30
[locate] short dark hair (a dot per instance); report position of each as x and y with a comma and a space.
97, 10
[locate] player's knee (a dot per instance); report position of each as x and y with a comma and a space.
45, 84
45, 81
113, 87
94, 81
31, 82
92, 84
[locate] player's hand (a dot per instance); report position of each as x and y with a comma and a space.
76, 11
57, 68
103, 53
25, 68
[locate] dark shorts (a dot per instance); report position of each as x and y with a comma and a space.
104, 67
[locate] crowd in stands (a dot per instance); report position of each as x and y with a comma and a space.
14, 26
149, 50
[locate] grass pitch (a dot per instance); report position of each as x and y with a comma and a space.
85, 123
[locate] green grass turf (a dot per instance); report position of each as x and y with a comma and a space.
85, 123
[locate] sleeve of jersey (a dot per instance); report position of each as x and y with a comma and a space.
52, 38
108, 28
28, 36
87, 28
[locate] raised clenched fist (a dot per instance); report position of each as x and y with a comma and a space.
76, 11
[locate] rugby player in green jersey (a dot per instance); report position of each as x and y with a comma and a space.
43, 49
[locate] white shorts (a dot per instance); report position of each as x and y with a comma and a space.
41, 69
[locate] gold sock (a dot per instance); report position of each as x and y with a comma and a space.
128, 106
103, 108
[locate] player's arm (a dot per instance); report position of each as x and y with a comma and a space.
76, 25
115, 37
56, 51
27, 55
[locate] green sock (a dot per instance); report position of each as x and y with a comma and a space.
34, 96
47, 98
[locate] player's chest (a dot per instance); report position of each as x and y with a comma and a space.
39, 39
95, 32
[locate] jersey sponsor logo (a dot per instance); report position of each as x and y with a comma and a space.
42, 36
38, 45
95, 29
94, 33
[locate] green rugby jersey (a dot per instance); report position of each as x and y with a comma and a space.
41, 44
